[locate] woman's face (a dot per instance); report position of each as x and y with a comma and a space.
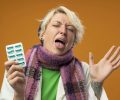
59, 35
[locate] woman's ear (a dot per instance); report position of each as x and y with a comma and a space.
42, 38
43, 35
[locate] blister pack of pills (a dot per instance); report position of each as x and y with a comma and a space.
16, 52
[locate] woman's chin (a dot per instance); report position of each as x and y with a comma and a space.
58, 51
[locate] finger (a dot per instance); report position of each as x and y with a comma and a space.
16, 74
109, 52
16, 80
114, 63
91, 59
114, 55
117, 65
14, 68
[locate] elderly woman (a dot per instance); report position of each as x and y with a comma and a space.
52, 72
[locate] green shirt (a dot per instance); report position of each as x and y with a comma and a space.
50, 79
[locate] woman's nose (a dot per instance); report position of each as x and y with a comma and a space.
63, 30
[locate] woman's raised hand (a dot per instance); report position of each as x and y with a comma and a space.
111, 61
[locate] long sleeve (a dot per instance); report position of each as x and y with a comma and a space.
91, 91
7, 91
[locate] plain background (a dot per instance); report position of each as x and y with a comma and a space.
18, 23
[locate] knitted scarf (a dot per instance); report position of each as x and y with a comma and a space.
70, 69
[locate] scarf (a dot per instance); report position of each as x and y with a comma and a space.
70, 69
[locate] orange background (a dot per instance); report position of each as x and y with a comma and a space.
18, 23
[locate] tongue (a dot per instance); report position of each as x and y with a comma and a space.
59, 45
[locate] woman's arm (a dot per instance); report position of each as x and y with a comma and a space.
93, 93
14, 82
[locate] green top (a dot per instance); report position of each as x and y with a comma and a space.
50, 79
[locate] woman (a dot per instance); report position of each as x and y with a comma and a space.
52, 72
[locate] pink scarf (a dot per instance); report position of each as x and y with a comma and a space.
70, 69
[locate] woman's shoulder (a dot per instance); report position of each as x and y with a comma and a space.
85, 64
85, 67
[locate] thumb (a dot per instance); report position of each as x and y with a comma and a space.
91, 59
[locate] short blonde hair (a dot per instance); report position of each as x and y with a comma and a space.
75, 21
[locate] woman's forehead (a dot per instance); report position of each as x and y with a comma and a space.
60, 17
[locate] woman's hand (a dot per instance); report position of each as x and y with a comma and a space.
16, 78
111, 61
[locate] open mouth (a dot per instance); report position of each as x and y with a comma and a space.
60, 43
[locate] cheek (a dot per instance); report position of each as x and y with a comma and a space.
48, 38
71, 39
50, 34
71, 42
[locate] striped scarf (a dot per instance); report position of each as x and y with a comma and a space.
70, 69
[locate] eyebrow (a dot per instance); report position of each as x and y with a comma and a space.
57, 21
61, 23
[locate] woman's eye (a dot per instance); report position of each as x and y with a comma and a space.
56, 25
71, 30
